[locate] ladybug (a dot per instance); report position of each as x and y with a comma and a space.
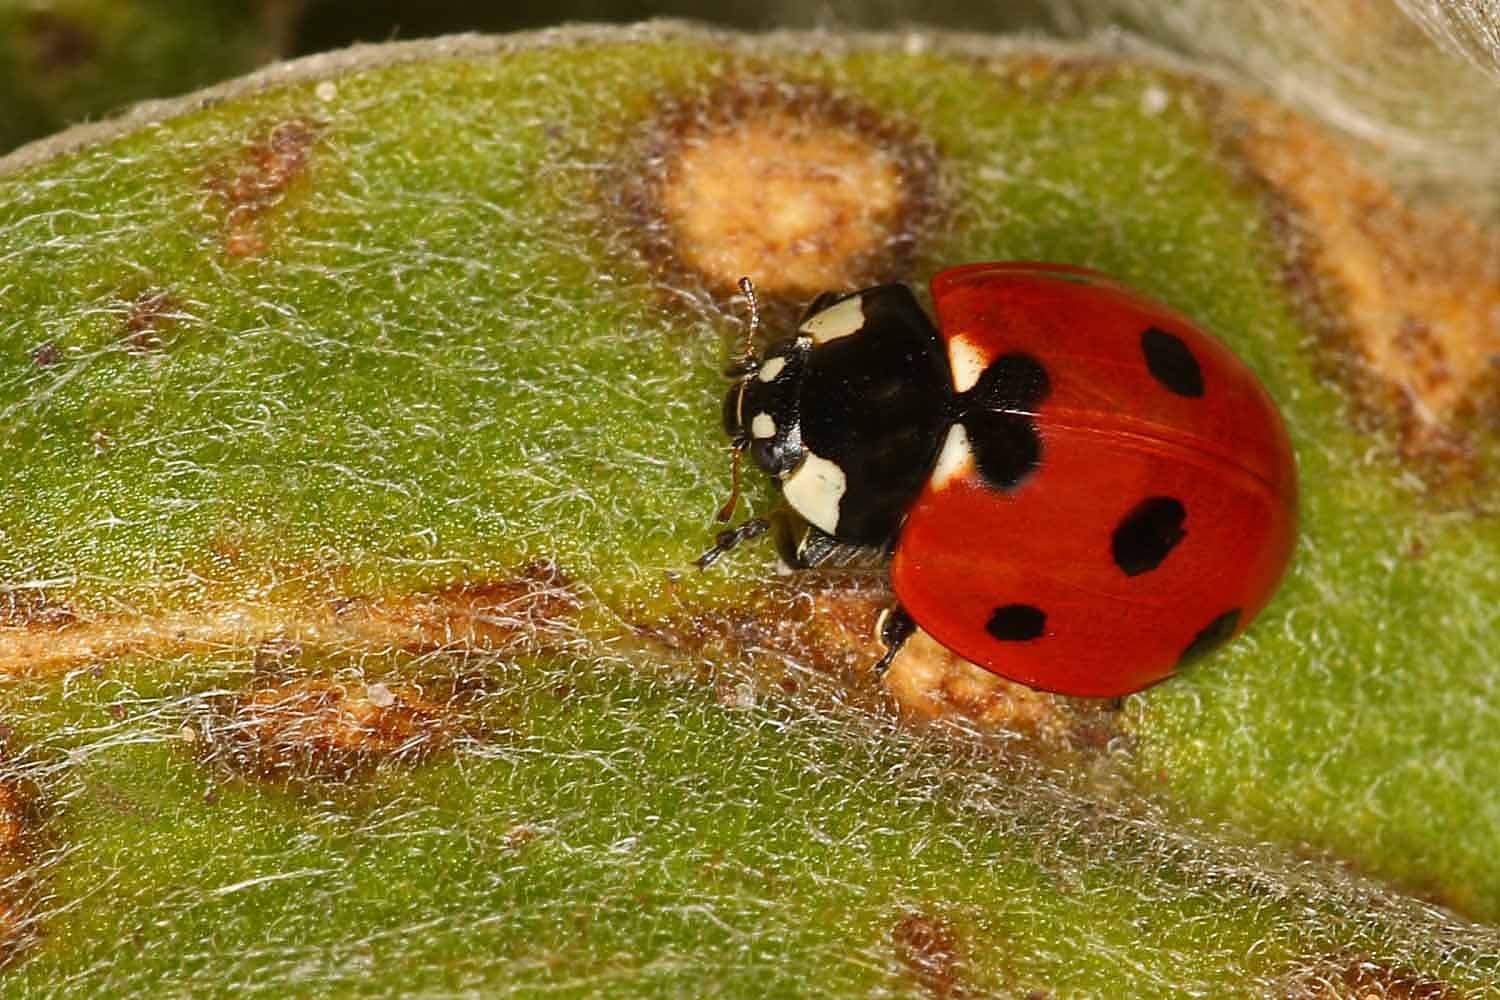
1078, 488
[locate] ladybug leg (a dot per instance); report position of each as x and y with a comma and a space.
801, 545
895, 627
785, 533
730, 537
805, 546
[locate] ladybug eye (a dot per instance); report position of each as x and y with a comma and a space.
765, 454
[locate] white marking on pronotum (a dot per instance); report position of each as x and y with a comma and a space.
838, 320
763, 426
967, 362
771, 369
955, 459
814, 489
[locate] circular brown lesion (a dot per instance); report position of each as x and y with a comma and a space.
799, 188
795, 202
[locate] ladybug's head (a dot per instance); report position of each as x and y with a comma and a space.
762, 408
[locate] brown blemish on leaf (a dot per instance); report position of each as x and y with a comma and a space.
494, 614
824, 622
527, 611
1414, 293
1367, 980
518, 837
17, 928
774, 197
827, 621
311, 728
18, 820
928, 949
245, 187
800, 189
59, 43
147, 316
20, 826
31, 609
46, 354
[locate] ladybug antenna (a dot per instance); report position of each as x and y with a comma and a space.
746, 363
742, 366
747, 289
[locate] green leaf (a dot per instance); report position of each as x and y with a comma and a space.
361, 426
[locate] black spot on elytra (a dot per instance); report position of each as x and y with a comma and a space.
1210, 637
1006, 447
997, 416
1171, 362
1013, 383
1016, 622
1147, 535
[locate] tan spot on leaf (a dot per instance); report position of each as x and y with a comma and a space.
787, 183
930, 681
246, 186
827, 621
794, 203
528, 610
1412, 290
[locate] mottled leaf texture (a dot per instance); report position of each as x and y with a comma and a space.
360, 425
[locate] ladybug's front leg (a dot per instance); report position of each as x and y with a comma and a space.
730, 537
895, 627
801, 545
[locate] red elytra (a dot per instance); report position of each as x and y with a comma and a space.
1160, 513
